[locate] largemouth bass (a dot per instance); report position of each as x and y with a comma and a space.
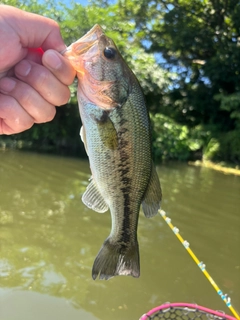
116, 135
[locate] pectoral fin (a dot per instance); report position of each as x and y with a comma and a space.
153, 195
93, 199
107, 131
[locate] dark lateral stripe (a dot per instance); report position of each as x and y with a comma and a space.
125, 182
125, 235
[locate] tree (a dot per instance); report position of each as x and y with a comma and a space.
75, 20
185, 53
200, 40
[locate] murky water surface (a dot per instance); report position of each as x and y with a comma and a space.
49, 239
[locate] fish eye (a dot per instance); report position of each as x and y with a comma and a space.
109, 52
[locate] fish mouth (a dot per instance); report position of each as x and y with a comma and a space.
82, 45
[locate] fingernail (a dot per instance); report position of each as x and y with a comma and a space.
7, 85
23, 68
52, 60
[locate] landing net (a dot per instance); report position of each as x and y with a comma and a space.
184, 311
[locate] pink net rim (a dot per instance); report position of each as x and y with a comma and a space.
186, 305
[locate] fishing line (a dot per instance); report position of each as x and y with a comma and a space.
200, 264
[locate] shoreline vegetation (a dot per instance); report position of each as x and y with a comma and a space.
10, 144
61, 147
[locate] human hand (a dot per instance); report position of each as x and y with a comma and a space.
34, 77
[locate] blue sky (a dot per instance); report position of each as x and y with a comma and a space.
83, 2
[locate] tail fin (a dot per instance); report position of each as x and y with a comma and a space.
113, 259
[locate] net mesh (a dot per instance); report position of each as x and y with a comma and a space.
184, 313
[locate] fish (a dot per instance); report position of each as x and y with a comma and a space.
117, 137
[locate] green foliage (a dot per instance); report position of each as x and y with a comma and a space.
200, 41
211, 149
79, 19
186, 55
172, 141
230, 146
225, 148
75, 20
231, 103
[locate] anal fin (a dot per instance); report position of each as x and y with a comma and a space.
93, 199
153, 195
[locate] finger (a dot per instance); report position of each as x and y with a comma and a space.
59, 66
33, 54
30, 100
34, 30
13, 118
43, 81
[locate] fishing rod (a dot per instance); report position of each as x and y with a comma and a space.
200, 264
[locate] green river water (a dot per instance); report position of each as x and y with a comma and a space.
49, 239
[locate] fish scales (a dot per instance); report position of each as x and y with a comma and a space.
129, 169
116, 134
